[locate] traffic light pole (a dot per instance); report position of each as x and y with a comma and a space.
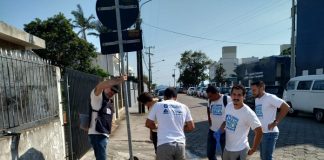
121, 52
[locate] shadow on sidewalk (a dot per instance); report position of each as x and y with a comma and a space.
196, 141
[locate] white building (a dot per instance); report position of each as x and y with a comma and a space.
229, 60
212, 70
109, 63
284, 46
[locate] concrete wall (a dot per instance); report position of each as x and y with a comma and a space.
42, 142
18, 39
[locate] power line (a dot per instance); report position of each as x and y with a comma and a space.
243, 18
209, 39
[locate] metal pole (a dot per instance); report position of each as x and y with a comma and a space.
121, 52
293, 41
150, 70
67, 95
139, 56
174, 83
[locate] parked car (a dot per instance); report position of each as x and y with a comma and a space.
190, 91
161, 94
201, 91
225, 90
196, 91
305, 93
181, 90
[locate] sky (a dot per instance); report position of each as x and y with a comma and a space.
256, 27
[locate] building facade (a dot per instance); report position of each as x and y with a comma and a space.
310, 37
273, 70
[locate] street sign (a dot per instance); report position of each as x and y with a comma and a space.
132, 41
129, 10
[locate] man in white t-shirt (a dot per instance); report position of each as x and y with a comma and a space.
266, 106
173, 119
102, 111
216, 114
239, 118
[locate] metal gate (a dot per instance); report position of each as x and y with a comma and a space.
77, 88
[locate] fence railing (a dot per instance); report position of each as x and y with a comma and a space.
77, 89
28, 89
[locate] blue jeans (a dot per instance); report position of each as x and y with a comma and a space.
268, 144
99, 144
211, 145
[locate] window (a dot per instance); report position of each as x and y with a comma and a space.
318, 85
304, 85
291, 85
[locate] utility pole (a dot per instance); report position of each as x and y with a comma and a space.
174, 83
139, 57
150, 67
293, 41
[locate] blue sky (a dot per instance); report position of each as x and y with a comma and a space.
257, 27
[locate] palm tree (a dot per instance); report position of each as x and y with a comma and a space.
82, 22
100, 28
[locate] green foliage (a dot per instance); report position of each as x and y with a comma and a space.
286, 51
193, 66
100, 28
220, 74
63, 47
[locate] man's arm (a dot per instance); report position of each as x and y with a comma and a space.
108, 83
150, 124
189, 126
256, 141
208, 114
222, 127
284, 108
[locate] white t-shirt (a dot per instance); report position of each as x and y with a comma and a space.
217, 112
266, 110
238, 124
96, 102
171, 117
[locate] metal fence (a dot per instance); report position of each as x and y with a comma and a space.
28, 89
77, 89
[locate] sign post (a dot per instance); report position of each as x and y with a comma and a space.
120, 15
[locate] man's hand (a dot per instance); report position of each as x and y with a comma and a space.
251, 151
122, 78
272, 125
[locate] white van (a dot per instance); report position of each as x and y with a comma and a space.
306, 93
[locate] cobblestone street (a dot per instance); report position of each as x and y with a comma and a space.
300, 137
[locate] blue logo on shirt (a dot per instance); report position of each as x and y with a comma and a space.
258, 110
165, 106
217, 109
231, 122
165, 111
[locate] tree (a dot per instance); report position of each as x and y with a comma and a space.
286, 51
220, 74
193, 66
100, 28
82, 22
63, 47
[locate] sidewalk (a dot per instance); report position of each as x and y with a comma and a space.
118, 141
